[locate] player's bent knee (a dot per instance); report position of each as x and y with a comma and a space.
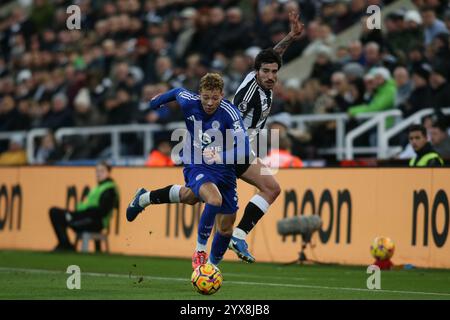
227, 233
225, 230
191, 201
276, 190
225, 224
272, 189
187, 196
215, 201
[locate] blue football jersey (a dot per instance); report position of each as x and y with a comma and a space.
223, 131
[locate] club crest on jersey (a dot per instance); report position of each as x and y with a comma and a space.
243, 106
204, 138
215, 125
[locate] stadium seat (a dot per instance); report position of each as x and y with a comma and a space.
98, 237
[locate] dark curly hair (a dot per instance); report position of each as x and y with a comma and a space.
267, 56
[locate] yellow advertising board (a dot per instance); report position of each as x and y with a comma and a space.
408, 205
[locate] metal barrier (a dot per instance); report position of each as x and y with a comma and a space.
340, 118
113, 131
376, 119
10, 134
299, 121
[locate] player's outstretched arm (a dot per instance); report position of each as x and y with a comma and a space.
160, 99
296, 30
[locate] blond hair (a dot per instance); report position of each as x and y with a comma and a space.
211, 81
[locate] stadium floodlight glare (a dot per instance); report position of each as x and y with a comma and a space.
300, 225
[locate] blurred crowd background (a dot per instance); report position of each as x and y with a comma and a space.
127, 51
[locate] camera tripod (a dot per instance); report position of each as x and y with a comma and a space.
302, 259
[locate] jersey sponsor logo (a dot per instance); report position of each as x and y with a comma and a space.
198, 177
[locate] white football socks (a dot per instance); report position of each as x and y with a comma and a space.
200, 247
174, 196
144, 199
174, 193
239, 233
260, 202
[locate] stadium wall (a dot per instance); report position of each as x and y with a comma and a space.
409, 205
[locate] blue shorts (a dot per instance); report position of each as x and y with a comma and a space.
196, 176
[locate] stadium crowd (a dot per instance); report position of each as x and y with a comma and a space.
127, 51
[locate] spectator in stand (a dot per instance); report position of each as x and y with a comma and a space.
290, 96
416, 57
119, 107
340, 92
447, 19
323, 66
440, 139
48, 150
413, 32
440, 49
395, 27
239, 67
371, 35
15, 155
161, 155
266, 18
403, 84
432, 25
237, 35
421, 95
372, 55
343, 16
355, 49
282, 157
11, 117
440, 86
384, 93
325, 38
356, 91
60, 115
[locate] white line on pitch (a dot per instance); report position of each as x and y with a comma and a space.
112, 275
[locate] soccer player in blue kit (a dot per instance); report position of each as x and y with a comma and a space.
254, 100
218, 140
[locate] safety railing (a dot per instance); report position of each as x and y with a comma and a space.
8, 135
377, 120
343, 149
384, 150
115, 132
301, 122
341, 123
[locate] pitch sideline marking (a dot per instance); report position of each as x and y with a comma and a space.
113, 275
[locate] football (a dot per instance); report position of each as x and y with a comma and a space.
382, 248
206, 279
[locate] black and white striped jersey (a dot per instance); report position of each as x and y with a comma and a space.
253, 102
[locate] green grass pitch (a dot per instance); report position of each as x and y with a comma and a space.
40, 275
